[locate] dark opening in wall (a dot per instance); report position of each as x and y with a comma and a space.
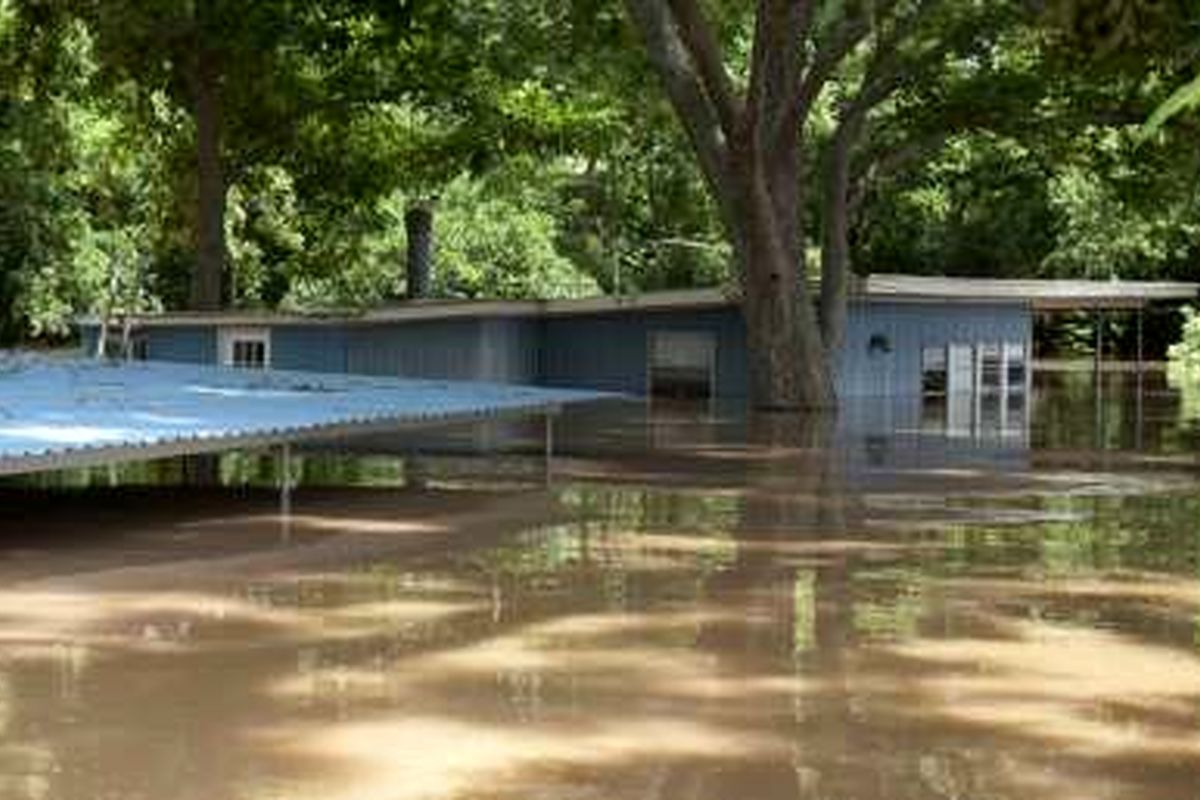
682, 365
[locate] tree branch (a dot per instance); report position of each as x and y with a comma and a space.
848, 35
781, 27
891, 162
686, 93
885, 72
697, 37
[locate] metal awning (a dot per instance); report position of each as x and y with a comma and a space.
1042, 295
62, 414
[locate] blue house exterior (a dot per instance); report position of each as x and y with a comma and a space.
893, 342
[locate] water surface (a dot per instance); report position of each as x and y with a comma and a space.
700, 607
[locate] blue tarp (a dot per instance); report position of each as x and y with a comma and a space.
51, 408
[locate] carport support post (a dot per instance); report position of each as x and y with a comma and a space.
1141, 369
1099, 378
285, 491
548, 446
1140, 343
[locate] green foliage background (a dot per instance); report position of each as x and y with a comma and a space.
554, 166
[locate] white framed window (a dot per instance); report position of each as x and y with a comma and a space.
245, 348
934, 370
989, 358
960, 369
1016, 367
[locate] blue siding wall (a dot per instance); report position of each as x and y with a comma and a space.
188, 344
191, 344
510, 350
321, 348
87, 340
427, 349
439, 349
505, 350
908, 328
606, 351
609, 351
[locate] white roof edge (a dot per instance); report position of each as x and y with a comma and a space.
878, 287
1032, 290
650, 301
413, 311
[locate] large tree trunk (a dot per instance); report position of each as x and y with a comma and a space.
786, 362
207, 279
785, 359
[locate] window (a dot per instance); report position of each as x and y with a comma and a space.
249, 353
682, 364
1016, 367
933, 370
990, 372
960, 370
978, 389
245, 348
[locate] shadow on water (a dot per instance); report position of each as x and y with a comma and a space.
701, 606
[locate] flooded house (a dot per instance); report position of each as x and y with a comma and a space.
906, 336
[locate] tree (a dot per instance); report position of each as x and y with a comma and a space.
746, 123
748, 144
241, 72
945, 69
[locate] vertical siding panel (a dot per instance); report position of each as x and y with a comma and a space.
189, 344
439, 349
315, 348
88, 335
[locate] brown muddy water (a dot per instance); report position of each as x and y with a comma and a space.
697, 607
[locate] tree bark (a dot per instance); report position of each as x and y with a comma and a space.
788, 369
208, 278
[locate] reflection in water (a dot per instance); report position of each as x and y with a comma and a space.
701, 609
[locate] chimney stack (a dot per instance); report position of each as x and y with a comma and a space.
418, 224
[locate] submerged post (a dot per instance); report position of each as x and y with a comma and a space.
548, 446
1140, 343
1098, 379
1141, 383
285, 491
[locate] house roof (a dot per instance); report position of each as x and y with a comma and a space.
1041, 295
62, 414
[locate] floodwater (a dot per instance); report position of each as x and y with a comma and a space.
697, 607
